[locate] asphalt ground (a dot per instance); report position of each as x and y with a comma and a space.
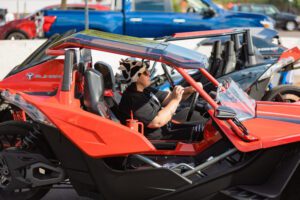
289, 34
70, 194
61, 193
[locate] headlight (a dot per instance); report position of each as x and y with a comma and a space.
267, 24
33, 112
298, 19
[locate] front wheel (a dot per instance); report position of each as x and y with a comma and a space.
283, 93
290, 26
11, 135
16, 36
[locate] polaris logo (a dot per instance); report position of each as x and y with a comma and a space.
31, 76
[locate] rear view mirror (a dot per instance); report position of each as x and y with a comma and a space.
223, 112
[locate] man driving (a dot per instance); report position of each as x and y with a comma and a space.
153, 107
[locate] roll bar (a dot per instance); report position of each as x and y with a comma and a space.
70, 59
234, 34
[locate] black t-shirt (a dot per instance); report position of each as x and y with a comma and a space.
145, 107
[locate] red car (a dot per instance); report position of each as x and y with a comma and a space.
26, 28
60, 125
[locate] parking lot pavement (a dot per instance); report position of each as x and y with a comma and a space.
289, 33
63, 194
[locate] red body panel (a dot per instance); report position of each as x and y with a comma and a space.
93, 134
294, 53
48, 21
210, 137
272, 127
44, 78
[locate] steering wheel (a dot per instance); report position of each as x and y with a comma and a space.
168, 76
192, 107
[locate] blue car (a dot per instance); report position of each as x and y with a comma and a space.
155, 18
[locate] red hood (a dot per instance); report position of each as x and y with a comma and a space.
280, 110
275, 124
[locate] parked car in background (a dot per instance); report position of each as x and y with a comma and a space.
36, 24
2, 16
156, 18
283, 20
5, 16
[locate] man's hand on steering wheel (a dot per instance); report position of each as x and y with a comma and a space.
193, 89
193, 102
177, 92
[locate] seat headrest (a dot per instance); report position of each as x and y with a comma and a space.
108, 74
229, 48
229, 58
93, 90
217, 49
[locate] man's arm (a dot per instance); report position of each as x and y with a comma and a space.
165, 115
186, 94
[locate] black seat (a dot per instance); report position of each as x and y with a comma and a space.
109, 82
229, 57
215, 60
108, 75
242, 57
94, 94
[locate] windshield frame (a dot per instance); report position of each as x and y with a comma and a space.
142, 48
199, 6
39, 56
229, 94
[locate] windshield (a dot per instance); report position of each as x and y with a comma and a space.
271, 10
235, 98
39, 55
199, 6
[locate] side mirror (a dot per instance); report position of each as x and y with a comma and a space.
223, 112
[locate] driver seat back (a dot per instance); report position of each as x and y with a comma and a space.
229, 58
215, 60
109, 85
94, 94
107, 73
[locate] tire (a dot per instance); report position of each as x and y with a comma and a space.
291, 191
5, 115
290, 25
283, 93
19, 130
16, 36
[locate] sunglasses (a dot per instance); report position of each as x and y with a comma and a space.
146, 73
